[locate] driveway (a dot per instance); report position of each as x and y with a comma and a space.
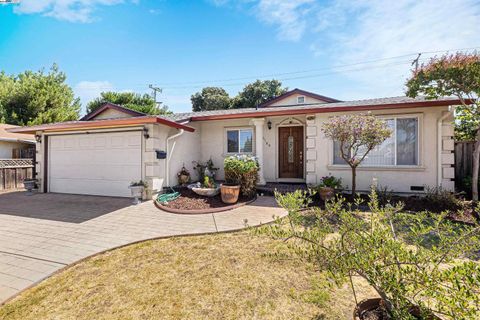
43, 233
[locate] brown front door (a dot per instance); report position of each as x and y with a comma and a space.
290, 152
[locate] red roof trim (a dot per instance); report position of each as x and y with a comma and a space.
298, 91
79, 125
284, 112
109, 105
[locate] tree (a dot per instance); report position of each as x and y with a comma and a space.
37, 97
211, 98
357, 136
257, 93
142, 103
454, 75
410, 260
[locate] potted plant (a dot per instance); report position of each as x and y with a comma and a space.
137, 188
208, 189
29, 185
417, 264
241, 175
205, 169
327, 187
183, 176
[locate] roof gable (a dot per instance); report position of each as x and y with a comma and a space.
112, 111
288, 99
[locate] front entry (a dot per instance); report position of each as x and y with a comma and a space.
290, 149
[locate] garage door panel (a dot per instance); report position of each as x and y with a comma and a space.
95, 164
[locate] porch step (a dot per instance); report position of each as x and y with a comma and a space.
270, 188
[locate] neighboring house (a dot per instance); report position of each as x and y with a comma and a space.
109, 148
15, 145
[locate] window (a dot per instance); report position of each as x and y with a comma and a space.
240, 141
401, 149
300, 100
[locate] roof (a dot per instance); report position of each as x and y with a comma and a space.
355, 105
298, 91
100, 124
14, 137
109, 105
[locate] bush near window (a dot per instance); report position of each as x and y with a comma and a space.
242, 170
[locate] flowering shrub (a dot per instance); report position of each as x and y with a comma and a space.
330, 182
242, 170
357, 135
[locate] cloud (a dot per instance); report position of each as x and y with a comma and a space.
68, 10
89, 90
345, 32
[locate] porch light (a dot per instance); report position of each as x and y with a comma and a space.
145, 133
38, 138
269, 125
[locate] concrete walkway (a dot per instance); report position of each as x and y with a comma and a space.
42, 233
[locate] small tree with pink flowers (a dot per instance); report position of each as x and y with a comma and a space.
357, 135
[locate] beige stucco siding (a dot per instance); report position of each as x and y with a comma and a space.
111, 114
292, 100
399, 179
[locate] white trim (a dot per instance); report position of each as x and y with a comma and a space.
420, 156
242, 128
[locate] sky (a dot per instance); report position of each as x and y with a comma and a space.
342, 49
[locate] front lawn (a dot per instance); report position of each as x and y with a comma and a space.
227, 276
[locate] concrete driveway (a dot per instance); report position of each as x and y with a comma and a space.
43, 233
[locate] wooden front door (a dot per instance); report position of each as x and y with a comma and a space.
290, 152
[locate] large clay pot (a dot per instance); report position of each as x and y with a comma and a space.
371, 304
326, 193
230, 193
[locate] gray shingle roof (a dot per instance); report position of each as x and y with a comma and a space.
179, 117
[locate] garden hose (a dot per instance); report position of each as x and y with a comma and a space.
167, 197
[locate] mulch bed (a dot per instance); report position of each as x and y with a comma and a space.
190, 201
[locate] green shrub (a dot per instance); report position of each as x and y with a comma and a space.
242, 170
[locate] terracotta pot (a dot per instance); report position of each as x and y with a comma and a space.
326, 193
371, 304
183, 179
230, 193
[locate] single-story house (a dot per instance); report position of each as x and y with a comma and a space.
15, 145
112, 146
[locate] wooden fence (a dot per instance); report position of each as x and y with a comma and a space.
463, 163
13, 172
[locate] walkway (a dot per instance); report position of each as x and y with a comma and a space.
43, 233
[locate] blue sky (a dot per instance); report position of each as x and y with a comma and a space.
181, 46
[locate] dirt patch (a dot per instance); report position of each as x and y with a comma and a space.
190, 201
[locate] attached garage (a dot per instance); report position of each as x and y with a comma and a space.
94, 163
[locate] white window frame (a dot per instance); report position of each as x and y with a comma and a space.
298, 102
391, 117
225, 144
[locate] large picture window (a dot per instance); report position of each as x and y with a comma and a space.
239, 141
401, 149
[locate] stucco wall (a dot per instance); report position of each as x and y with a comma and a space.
399, 179
292, 100
6, 148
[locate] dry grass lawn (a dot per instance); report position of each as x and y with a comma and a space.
227, 276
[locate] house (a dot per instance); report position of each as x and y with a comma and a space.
15, 145
107, 149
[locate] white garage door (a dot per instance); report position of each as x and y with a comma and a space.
95, 164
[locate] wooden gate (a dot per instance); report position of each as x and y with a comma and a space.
13, 172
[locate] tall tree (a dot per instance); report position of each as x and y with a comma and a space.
257, 93
142, 103
211, 98
454, 75
37, 97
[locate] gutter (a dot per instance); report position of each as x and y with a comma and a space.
169, 155
439, 145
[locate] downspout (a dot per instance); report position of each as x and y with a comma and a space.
169, 155
439, 145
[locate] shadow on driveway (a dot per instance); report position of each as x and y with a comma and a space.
59, 207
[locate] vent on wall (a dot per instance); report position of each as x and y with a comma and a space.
301, 100
417, 188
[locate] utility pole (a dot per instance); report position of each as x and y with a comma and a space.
415, 62
154, 94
